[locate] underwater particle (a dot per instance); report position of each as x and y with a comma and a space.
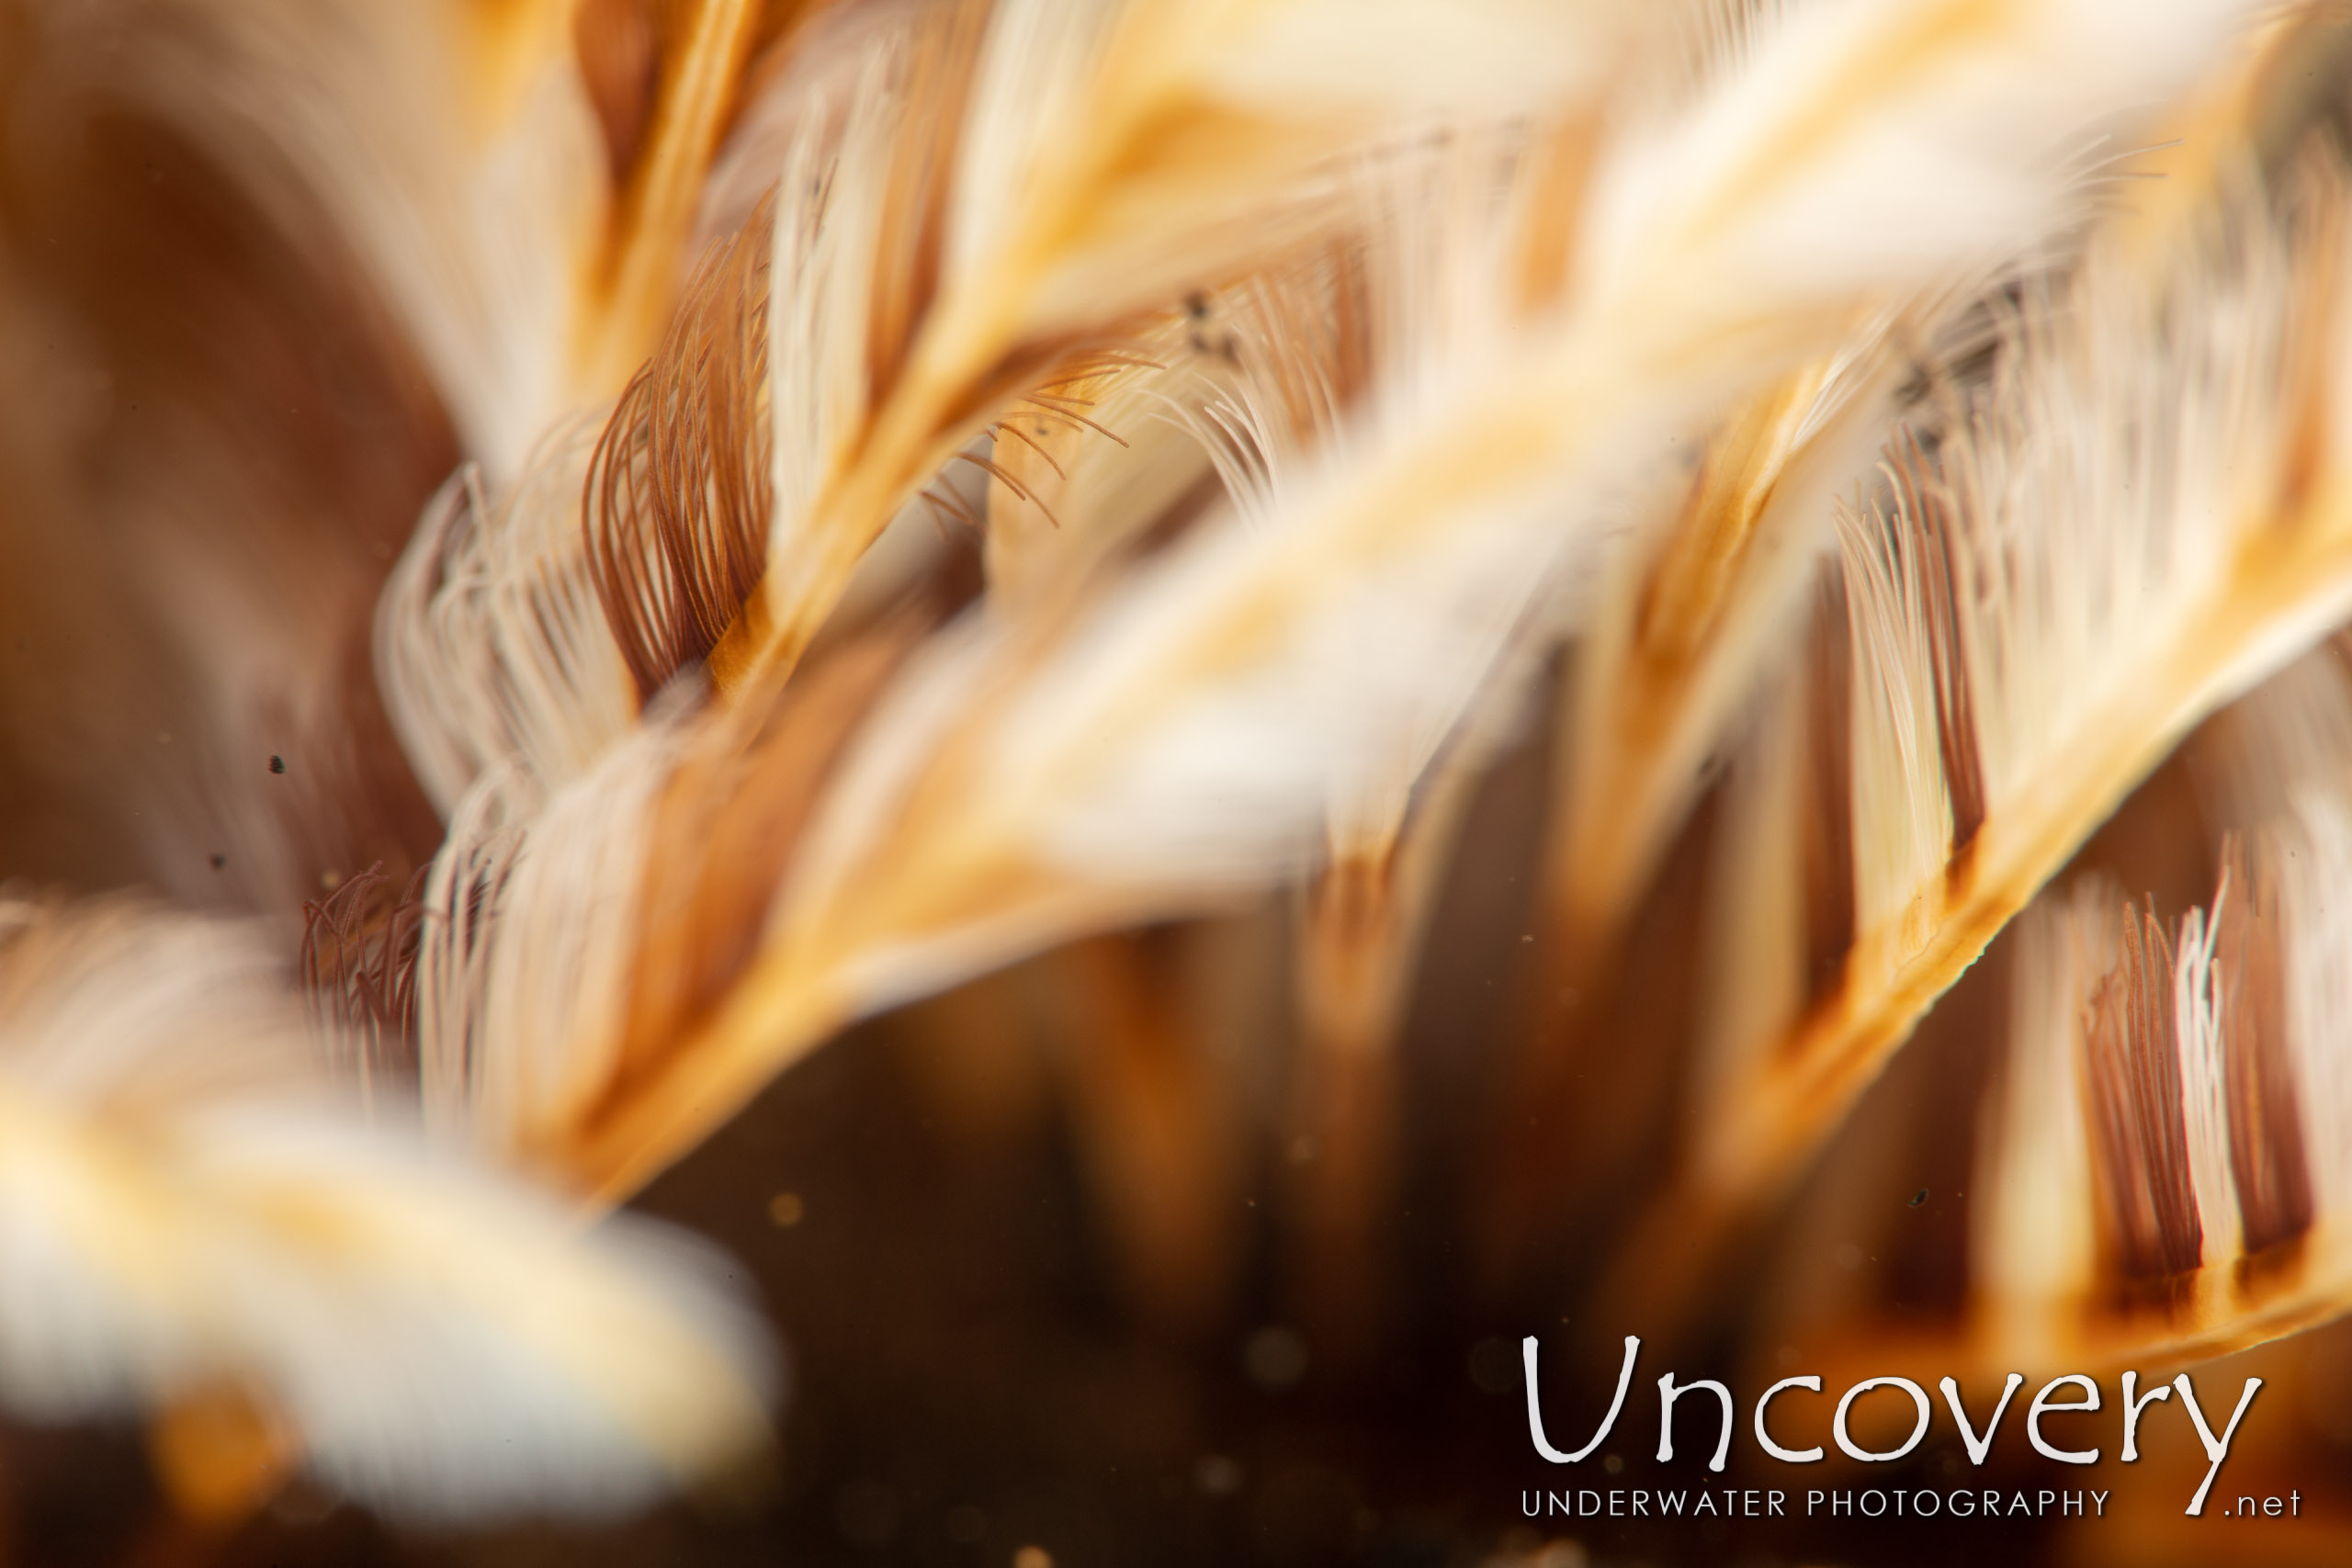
1217, 1475
220, 862
277, 764
966, 1525
1275, 1357
1033, 1557
786, 1210
1919, 1197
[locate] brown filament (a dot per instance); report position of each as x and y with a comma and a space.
2266, 1153
679, 491
358, 968
2152, 1229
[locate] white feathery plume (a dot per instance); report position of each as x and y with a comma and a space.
2283, 756
1686, 616
833, 199
491, 645
184, 1205
568, 944
2319, 933
1082, 495
1109, 156
2034, 1253
566, 919
2205, 1110
1753, 956
2165, 1167
1183, 737
464, 891
2040, 619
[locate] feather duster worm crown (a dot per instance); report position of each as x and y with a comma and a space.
1486, 610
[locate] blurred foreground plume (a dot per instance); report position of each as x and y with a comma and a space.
189, 1201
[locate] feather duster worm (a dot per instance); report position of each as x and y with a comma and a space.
894, 492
